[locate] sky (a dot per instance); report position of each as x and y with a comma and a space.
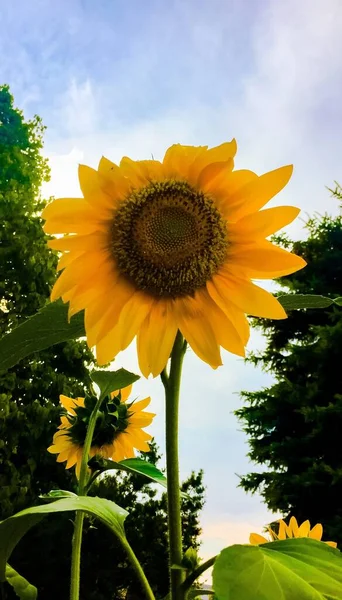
131, 77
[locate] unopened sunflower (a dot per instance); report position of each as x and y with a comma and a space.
118, 430
292, 530
155, 247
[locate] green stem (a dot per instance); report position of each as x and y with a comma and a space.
172, 388
78, 527
149, 595
186, 585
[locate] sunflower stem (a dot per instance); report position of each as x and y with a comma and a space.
149, 595
82, 491
172, 388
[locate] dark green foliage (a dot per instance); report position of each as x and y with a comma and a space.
29, 393
294, 426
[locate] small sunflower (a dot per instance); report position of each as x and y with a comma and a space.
155, 247
118, 430
292, 530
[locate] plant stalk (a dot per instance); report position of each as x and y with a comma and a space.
172, 388
78, 527
149, 595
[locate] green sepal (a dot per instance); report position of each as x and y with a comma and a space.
110, 381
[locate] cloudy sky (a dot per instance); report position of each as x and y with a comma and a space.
130, 77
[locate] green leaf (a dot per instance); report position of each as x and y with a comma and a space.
293, 301
48, 327
109, 381
23, 589
291, 569
57, 495
338, 301
132, 465
13, 528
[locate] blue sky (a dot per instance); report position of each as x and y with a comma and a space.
130, 77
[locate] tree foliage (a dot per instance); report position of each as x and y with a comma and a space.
294, 425
29, 397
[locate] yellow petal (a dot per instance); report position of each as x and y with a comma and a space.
141, 172
273, 535
293, 525
81, 243
255, 539
125, 393
82, 268
71, 460
258, 192
156, 337
132, 315
331, 544
178, 159
121, 294
282, 530
141, 420
211, 172
92, 190
139, 439
198, 332
108, 347
78, 462
68, 403
316, 532
141, 405
118, 451
112, 180
225, 186
304, 529
234, 314
263, 261
64, 455
226, 334
222, 153
250, 298
261, 224
71, 215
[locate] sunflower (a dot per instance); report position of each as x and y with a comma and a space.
118, 430
292, 530
156, 247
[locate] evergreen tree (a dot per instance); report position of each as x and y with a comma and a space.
294, 425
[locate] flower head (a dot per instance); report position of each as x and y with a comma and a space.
292, 530
155, 247
118, 430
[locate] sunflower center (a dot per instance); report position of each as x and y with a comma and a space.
111, 421
168, 239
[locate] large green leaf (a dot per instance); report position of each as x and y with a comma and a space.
293, 569
292, 301
131, 465
48, 327
109, 381
13, 528
23, 589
